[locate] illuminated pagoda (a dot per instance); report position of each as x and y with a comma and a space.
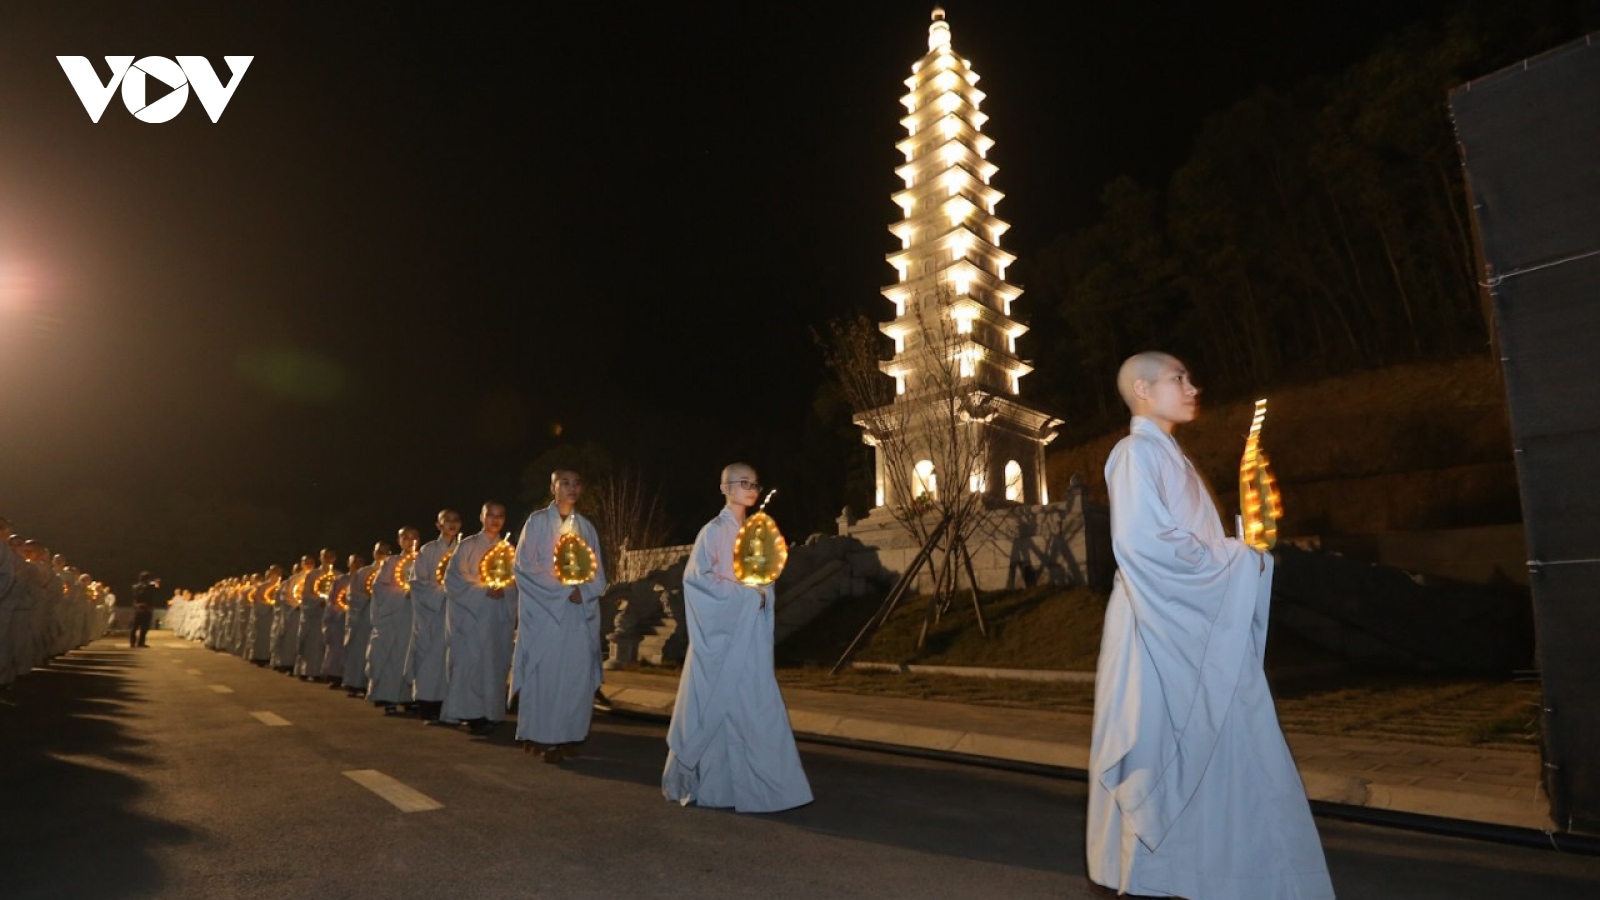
951, 291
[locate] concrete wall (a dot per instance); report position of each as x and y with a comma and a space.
636, 564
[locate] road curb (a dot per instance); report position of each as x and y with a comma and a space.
1331, 787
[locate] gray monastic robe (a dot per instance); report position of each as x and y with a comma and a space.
33, 580
391, 635
730, 742
310, 649
1192, 791
261, 616
357, 629
427, 625
286, 622
479, 636
556, 666
333, 621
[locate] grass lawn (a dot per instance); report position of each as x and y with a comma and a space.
1040, 628
1055, 628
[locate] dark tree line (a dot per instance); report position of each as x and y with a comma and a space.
1312, 230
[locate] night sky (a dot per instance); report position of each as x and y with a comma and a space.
427, 242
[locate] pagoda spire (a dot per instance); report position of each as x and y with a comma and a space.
949, 234
956, 420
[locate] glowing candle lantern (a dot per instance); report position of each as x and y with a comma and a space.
444, 565
372, 577
575, 562
1260, 507
496, 570
759, 550
342, 599
323, 586
400, 578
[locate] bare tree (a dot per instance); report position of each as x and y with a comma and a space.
625, 510
627, 513
929, 422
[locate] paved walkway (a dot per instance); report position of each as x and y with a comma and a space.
1482, 785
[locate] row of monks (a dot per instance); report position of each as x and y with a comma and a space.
443, 629
47, 607
461, 628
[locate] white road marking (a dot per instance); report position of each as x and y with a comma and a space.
270, 718
191, 671
222, 689
404, 798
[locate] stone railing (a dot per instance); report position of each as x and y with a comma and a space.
636, 564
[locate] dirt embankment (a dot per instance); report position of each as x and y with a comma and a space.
1412, 447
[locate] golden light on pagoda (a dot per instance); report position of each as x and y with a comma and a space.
759, 550
1260, 506
497, 568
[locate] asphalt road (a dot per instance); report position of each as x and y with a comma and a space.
175, 772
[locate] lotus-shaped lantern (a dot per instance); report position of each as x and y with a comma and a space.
323, 586
759, 550
575, 562
444, 565
401, 579
496, 569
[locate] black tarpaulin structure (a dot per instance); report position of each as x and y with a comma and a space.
1529, 138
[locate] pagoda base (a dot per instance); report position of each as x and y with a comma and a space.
1015, 547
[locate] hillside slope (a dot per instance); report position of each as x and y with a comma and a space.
1418, 446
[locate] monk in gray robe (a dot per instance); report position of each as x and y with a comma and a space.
286, 616
358, 623
730, 744
479, 620
1192, 791
333, 625
391, 628
556, 666
319, 584
264, 599
426, 664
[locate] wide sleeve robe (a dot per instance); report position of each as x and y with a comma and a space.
1193, 792
426, 663
357, 629
391, 634
480, 636
730, 744
333, 625
556, 666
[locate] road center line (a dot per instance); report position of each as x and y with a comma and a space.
404, 798
270, 718
222, 689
